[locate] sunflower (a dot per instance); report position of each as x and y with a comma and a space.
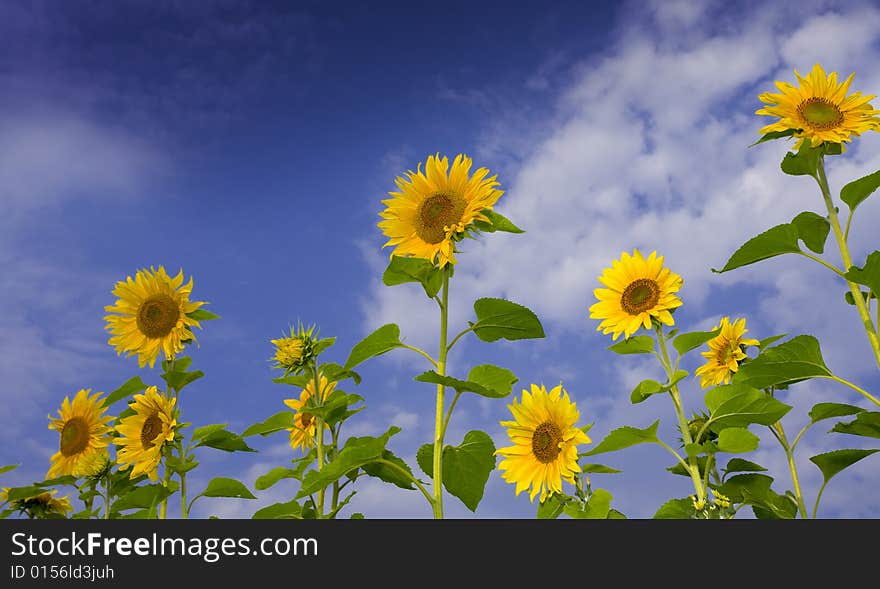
819, 110
638, 290
545, 442
302, 434
40, 506
144, 434
433, 208
84, 433
294, 353
151, 314
725, 353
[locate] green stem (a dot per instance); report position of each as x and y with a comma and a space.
334, 506
438, 416
860, 390
449, 414
107, 496
420, 351
319, 435
792, 466
831, 267
856, 290
818, 497
163, 509
409, 475
457, 337
184, 511
693, 465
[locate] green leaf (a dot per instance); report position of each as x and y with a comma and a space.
336, 373
177, 380
279, 421
778, 240
754, 489
599, 469
289, 510
822, 411
639, 344
686, 342
868, 275
226, 487
335, 407
676, 509
466, 467
739, 406
858, 190
812, 230
552, 506
774, 135
740, 465
206, 430
831, 463
384, 339
297, 380
202, 315
402, 270
225, 440
130, 387
356, 453
802, 163
16, 493
8, 467
769, 340
678, 469
596, 508
866, 424
496, 382
141, 497
390, 474
797, 359
497, 222
645, 389
736, 440
614, 514
503, 319
624, 437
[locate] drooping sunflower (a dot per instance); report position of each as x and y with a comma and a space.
726, 351
545, 442
144, 434
638, 290
151, 314
83, 431
819, 109
41, 506
434, 207
302, 434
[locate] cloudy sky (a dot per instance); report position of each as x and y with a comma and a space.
250, 144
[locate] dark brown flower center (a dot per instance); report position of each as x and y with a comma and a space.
306, 420
545, 442
151, 430
439, 211
157, 315
640, 295
820, 113
74, 436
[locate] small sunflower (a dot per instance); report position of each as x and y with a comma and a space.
545, 442
151, 314
40, 506
819, 109
433, 208
294, 353
725, 353
302, 434
638, 290
83, 431
144, 434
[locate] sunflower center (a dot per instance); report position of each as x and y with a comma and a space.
545, 442
639, 296
151, 429
74, 436
820, 113
157, 315
438, 211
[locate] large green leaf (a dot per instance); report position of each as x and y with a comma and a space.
289, 510
858, 190
596, 508
688, 341
774, 135
141, 497
645, 389
812, 230
866, 424
402, 270
503, 319
737, 440
803, 163
384, 339
831, 463
822, 411
599, 469
227, 487
552, 506
778, 240
222, 439
676, 509
178, 379
273, 476
485, 380
202, 315
279, 421
466, 467
396, 475
797, 359
754, 489
497, 222
356, 453
8, 467
739, 405
639, 344
740, 465
624, 437
130, 387
868, 275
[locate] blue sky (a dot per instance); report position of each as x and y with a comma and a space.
250, 144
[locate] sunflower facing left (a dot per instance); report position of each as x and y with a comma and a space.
302, 434
84, 434
144, 434
434, 208
151, 315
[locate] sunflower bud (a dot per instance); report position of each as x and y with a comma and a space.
295, 353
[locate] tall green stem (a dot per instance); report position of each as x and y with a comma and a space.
438, 417
107, 496
855, 289
792, 467
184, 511
319, 434
693, 464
